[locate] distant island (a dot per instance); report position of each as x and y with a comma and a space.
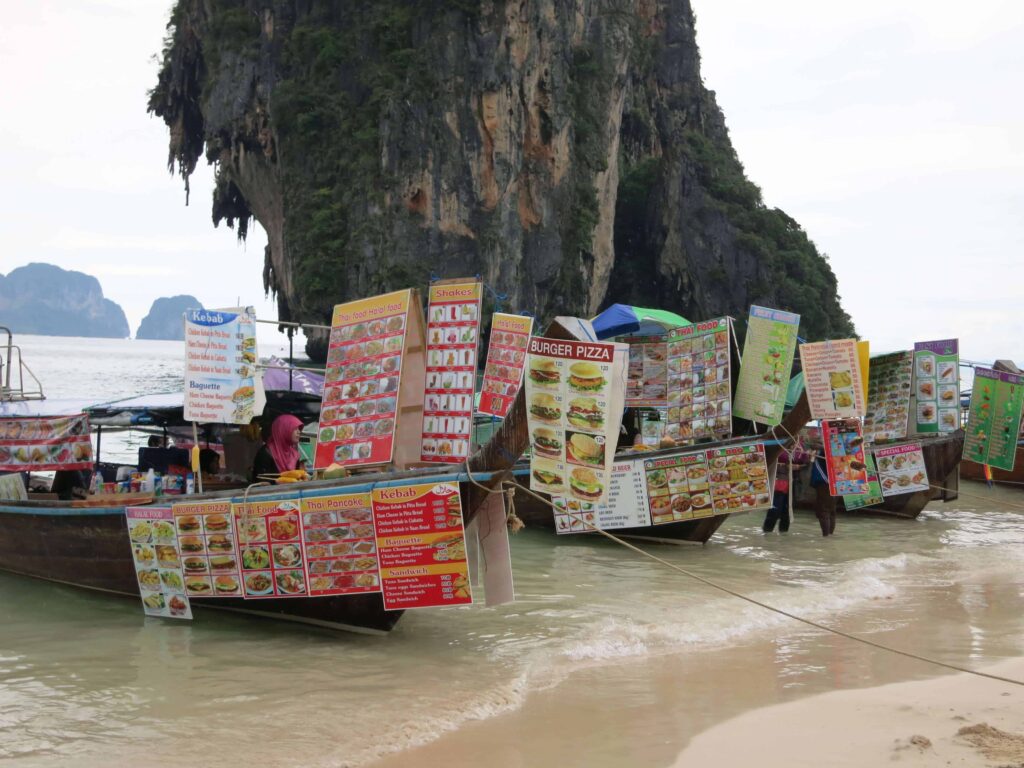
164, 321
47, 300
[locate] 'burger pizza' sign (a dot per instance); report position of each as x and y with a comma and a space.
575, 397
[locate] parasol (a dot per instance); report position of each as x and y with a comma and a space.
620, 319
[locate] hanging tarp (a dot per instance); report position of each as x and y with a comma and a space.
45, 443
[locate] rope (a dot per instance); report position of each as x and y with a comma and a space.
512, 520
781, 612
979, 496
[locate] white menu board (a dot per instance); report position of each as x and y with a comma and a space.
832, 376
453, 336
626, 506
221, 382
157, 562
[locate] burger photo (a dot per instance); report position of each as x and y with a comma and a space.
545, 408
220, 543
585, 413
197, 586
585, 377
226, 584
583, 449
546, 443
188, 523
544, 372
546, 479
194, 565
583, 484
216, 523
191, 544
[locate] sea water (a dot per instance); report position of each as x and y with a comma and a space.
604, 659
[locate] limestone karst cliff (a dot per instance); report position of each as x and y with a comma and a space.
566, 151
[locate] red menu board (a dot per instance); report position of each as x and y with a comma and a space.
270, 549
421, 544
363, 374
844, 456
453, 335
206, 541
506, 359
45, 443
339, 544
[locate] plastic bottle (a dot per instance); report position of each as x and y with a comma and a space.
149, 484
190, 483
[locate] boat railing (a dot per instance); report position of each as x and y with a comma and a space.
17, 382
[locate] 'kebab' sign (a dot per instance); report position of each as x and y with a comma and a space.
574, 395
221, 382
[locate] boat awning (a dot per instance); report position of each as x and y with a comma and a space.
30, 408
620, 319
276, 377
160, 409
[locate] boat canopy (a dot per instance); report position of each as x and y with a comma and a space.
620, 319
276, 377
23, 409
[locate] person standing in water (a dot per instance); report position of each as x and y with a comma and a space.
281, 451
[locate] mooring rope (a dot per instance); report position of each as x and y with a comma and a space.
747, 598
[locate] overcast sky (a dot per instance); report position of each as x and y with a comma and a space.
893, 131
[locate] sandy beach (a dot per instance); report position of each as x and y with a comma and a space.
954, 720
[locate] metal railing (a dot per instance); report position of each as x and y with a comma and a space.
15, 374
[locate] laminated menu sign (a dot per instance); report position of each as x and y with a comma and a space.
647, 374
363, 376
44, 443
206, 540
768, 353
221, 382
506, 360
626, 505
270, 549
937, 385
844, 456
157, 562
993, 421
711, 482
453, 336
339, 544
874, 492
901, 469
889, 386
574, 396
832, 376
699, 381
421, 546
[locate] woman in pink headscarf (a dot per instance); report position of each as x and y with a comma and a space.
281, 451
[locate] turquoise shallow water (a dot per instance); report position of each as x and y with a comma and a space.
601, 649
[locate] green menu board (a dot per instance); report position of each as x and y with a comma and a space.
767, 363
994, 419
937, 386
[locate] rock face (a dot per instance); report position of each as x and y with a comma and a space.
50, 301
565, 150
164, 321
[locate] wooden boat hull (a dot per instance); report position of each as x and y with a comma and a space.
942, 463
90, 549
970, 470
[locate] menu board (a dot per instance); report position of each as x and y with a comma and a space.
768, 352
699, 381
844, 456
647, 373
270, 549
626, 505
207, 544
704, 483
421, 545
339, 544
453, 336
157, 562
874, 488
833, 380
901, 469
993, 421
889, 386
363, 375
221, 383
574, 396
506, 361
45, 443
937, 386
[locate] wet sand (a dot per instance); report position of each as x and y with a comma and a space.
960, 720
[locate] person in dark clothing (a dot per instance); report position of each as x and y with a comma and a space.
281, 451
825, 502
779, 513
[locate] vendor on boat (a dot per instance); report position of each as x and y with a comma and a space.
281, 451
